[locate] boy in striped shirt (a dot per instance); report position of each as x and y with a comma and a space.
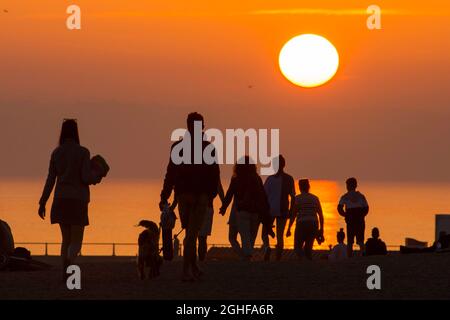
308, 212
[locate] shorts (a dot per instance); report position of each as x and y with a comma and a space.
206, 227
355, 229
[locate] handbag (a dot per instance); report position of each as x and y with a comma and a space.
99, 166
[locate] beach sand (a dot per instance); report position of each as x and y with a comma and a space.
417, 276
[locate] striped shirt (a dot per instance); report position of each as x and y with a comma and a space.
307, 207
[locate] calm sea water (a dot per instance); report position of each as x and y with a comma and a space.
399, 210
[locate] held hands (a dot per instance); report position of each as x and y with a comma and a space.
41, 211
222, 211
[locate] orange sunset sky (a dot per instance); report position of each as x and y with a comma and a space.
136, 68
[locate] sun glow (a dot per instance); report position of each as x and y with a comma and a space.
308, 60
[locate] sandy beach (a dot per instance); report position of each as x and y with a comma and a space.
418, 276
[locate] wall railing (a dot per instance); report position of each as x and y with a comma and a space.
115, 245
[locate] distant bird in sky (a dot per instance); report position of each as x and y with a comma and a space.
250, 86
5, 11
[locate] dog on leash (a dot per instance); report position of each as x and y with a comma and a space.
148, 259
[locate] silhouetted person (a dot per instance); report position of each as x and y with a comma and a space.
195, 187
206, 227
280, 192
250, 200
375, 246
339, 251
70, 169
354, 208
308, 213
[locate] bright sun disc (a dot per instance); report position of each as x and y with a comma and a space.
309, 60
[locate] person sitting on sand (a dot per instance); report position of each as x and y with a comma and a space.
308, 212
354, 208
339, 251
374, 245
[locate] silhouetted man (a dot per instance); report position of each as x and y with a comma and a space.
375, 246
354, 208
280, 192
195, 184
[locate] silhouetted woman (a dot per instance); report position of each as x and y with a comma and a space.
70, 169
250, 200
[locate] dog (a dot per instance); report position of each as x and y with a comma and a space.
149, 257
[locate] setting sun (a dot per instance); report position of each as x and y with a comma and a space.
308, 60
